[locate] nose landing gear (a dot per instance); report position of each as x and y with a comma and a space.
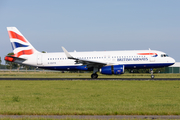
152, 76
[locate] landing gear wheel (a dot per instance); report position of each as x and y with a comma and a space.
152, 76
94, 76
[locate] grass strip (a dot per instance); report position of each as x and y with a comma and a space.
80, 75
90, 97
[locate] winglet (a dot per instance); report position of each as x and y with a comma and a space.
67, 53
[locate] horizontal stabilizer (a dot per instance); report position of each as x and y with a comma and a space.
13, 59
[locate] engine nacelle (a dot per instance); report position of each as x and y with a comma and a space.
114, 69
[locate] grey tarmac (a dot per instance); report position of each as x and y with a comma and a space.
89, 79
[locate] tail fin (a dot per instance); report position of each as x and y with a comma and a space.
20, 44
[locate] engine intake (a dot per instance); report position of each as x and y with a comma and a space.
114, 69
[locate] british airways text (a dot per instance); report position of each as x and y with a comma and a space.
132, 59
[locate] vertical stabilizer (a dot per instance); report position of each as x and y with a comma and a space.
20, 44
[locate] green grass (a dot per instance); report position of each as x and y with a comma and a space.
90, 97
71, 119
80, 75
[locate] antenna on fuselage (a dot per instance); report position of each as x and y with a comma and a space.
149, 51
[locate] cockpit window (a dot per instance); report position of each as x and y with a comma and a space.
164, 55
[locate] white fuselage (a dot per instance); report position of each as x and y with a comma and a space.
130, 59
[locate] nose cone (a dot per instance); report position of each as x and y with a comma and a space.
172, 61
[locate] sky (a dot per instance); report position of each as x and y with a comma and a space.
93, 25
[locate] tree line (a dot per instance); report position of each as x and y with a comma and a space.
155, 70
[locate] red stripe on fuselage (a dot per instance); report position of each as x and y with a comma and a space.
16, 36
147, 53
24, 52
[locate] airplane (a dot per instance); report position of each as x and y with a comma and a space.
105, 62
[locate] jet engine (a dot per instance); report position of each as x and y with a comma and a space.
114, 69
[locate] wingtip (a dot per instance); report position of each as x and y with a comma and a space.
67, 53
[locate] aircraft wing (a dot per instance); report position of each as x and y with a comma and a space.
89, 63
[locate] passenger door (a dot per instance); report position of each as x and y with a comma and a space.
152, 59
39, 60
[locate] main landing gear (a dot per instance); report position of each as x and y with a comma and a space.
152, 76
94, 75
